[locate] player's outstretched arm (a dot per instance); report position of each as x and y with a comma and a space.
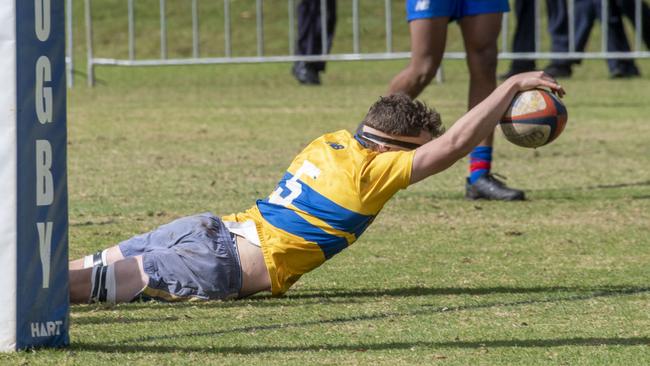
439, 154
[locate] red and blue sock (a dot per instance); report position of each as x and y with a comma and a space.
480, 161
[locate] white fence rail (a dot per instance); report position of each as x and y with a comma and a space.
387, 54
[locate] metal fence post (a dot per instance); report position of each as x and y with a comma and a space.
323, 26
292, 26
440, 75
604, 27
226, 26
131, 30
389, 25
163, 31
355, 26
69, 48
259, 16
90, 69
195, 29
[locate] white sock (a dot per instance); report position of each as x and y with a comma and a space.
103, 287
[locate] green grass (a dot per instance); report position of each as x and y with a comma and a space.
561, 279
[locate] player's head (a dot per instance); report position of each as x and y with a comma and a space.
397, 122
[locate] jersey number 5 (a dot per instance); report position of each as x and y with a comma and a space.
294, 187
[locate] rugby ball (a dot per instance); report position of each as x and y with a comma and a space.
535, 118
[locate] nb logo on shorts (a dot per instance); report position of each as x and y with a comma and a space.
422, 5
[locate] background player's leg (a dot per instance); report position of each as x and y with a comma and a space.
428, 38
480, 34
628, 8
120, 281
524, 37
617, 42
308, 41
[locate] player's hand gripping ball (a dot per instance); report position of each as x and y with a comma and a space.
535, 118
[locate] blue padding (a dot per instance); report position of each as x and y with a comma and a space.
42, 299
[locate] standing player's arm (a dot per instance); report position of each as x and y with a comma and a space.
442, 152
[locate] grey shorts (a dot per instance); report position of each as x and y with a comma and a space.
194, 257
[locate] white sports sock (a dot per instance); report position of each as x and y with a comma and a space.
111, 286
103, 287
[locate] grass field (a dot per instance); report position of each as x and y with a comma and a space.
561, 279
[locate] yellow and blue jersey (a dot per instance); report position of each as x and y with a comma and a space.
328, 196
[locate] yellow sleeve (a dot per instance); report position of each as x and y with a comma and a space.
383, 175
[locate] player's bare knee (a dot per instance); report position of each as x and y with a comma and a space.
113, 254
144, 278
482, 59
130, 278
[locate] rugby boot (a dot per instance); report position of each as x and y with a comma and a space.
624, 70
305, 74
489, 188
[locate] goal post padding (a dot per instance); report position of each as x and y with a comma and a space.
34, 298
